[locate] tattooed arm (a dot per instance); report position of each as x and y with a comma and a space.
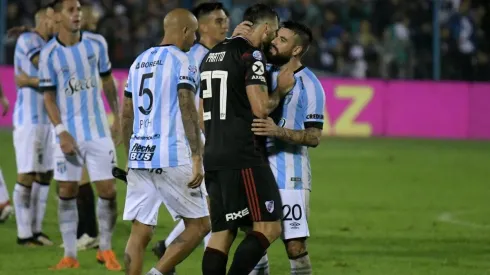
308, 137
110, 91
190, 119
127, 120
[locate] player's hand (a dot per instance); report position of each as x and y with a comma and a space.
285, 81
197, 172
16, 31
243, 29
265, 127
67, 143
116, 131
21, 79
5, 105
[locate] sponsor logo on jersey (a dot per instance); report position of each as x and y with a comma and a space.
314, 116
155, 136
75, 85
237, 215
259, 77
257, 55
142, 152
216, 57
141, 65
258, 68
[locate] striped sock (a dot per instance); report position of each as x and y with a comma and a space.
262, 268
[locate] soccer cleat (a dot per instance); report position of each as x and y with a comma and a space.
158, 251
43, 238
65, 263
29, 242
86, 242
5, 212
108, 258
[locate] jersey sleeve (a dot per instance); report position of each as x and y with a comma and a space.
30, 45
105, 66
46, 72
315, 102
188, 74
255, 68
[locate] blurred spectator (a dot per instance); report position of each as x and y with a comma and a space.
353, 38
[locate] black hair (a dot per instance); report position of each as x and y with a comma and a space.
206, 8
259, 12
302, 31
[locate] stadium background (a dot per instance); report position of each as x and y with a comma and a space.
399, 181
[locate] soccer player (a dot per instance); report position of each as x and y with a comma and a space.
5, 208
297, 125
163, 139
213, 27
240, 183
69, 70
32, 136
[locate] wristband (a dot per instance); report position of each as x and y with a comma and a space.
60, 128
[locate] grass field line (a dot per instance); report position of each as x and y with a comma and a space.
451, 217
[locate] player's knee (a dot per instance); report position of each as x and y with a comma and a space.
67, 189
202, 226
140, 236
271, 230
106, 189
26, 179
295, 247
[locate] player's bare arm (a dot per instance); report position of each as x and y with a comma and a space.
111, 94
285, 83
67, 142
127, 119
201, 114
190, 120
258, 95
266, 127
4, 102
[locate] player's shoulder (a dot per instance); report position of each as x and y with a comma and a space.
309, 80
50, 47
93, 37
30, 39
198, 47
180, 55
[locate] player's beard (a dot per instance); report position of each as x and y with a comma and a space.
278, 59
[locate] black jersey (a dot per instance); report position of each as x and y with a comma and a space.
225, 72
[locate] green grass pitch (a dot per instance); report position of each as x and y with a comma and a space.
378, 207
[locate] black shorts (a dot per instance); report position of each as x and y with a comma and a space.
242, 196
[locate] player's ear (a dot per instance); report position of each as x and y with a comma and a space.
297, 50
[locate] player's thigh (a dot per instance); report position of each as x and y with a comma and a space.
27, 148
100, 158
295, 205
142, 198
85, 178
64, 170
180, 200
46, 157
262, 194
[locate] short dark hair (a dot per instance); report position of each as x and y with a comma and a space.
259, 12
302, 31
57, 5
204, 9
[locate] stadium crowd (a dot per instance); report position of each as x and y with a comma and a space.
354, 38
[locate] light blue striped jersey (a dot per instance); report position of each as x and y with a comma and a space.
74, 73
303, 107
154, 79
29, 105
197, 52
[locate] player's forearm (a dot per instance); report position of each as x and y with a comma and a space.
302, 137
274, 100
52, 108
33, 82
190, 120
127, 120
111, 94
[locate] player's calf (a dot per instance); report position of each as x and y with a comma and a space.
23, 213
216, 253
184, 244
298, 256
39, 198
139, 238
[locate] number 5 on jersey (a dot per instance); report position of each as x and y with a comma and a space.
207, 77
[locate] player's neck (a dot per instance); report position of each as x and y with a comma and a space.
42, 32
293, 64
69, 38
208, 42
169, 40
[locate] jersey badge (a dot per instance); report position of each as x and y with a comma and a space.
257, 55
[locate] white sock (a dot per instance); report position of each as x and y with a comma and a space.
23, 218
178, 229
262, 268
4, 193
68, 220
39, 198
154, 271
106, 216
301, 265
206, 240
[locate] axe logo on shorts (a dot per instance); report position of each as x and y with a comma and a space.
237, 215
269, 205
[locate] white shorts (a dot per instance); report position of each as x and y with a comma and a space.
33, 148
296, 210
148, 189
99, 156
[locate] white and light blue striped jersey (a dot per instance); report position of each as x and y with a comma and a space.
158, 138
29, 105
302, 108
74, 73
197, 52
